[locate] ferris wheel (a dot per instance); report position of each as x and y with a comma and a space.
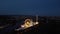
28, 23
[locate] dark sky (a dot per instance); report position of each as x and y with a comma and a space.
30, 7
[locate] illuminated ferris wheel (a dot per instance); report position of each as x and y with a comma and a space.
28, 23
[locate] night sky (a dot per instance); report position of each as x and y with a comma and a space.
30, 7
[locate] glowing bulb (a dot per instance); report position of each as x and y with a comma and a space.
22, 25
36, 23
